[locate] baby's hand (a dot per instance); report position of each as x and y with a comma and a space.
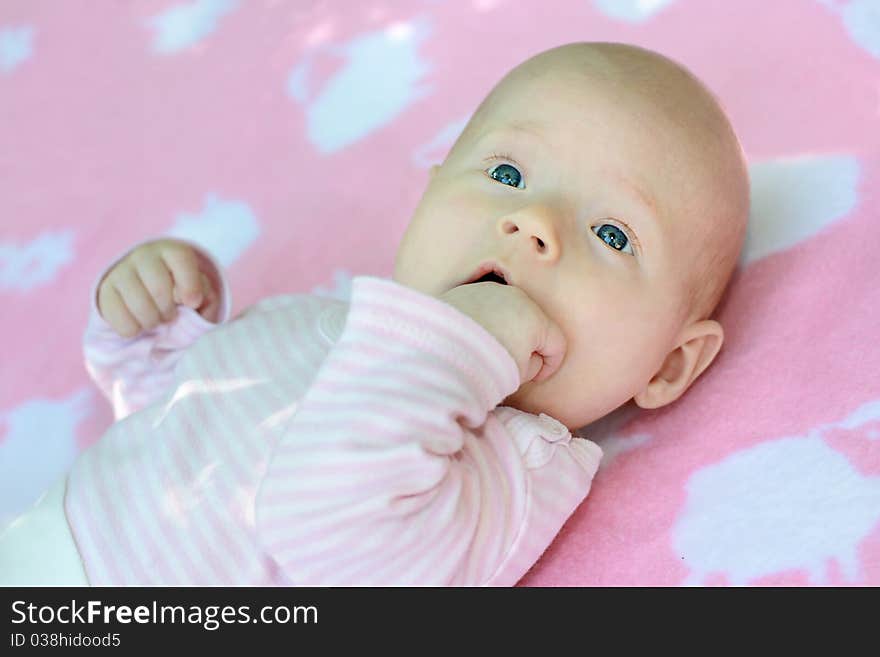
144, 288
534, 340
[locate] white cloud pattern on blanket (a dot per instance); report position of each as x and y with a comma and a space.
379, 80
794, 198
633, 11
792, 503
35, 263
43, 426
225, 228
16, 46
183, 25
340, 288
861, 18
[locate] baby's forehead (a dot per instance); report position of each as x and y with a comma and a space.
647, 85
643, 114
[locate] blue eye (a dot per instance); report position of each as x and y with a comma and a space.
614, 237
507, 174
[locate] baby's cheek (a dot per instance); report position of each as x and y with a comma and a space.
610, 352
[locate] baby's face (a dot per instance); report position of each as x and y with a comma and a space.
587, 175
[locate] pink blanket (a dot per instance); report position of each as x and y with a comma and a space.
293, 141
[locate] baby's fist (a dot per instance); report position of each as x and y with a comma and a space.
143, 289
535, 341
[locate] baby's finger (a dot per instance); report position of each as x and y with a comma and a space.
184, 268
552, 351
159, 283
115, 313
138, 299
533, 367
211, 304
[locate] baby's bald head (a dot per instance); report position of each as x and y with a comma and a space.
705, 187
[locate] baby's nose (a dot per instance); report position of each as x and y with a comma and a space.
537, 226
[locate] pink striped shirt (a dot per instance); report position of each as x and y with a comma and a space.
316, 442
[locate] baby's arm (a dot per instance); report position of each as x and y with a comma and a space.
134, 372
398, 468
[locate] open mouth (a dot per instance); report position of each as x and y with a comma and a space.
489, 272
491, 277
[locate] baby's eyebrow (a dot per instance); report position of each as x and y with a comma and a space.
530, 128
646, 223
644, 197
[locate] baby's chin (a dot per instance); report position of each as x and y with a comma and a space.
537, 398
526, 398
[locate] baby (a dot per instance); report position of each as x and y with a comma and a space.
564, 260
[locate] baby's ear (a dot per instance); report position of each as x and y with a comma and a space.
698, 345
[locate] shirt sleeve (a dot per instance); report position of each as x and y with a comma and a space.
134, 372
399, 468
